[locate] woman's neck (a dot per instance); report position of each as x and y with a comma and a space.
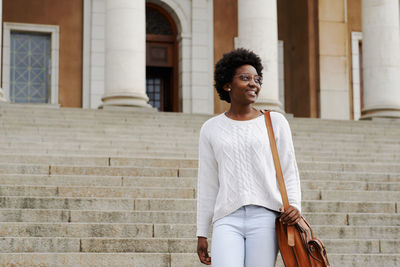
242, 112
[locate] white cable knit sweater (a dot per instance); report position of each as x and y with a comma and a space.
236, 167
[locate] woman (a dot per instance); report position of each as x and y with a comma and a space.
237, 186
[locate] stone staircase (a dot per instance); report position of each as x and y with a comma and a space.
117, 188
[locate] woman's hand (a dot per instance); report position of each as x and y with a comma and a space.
290, 216
202, 250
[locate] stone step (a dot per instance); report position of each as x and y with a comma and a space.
77, 230
98, 131
155, 146
125, 229
124, 117
93, 180
78, 123
108, 153
374, 219
60, 135
157, 245
349, 206
315, 218
78, 159
169, 259
183, 193
320, 137
87, 180
35, 153
350, 167
120, 138
142, 204
138, 116
43, 159
174, 171
112, 152
352, 195
321, 174
91, 170
46, 259
15, 139
360, 176
105, 116
87, 203
339, 149
111, 132
108, 127
162, 154
348, 154
375, 159
154, 150
76, 120
99, 161
357, 260
176, 162
356, 232
97, 191
349, 185
300, 133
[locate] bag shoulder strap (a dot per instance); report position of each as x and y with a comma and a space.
277, 163
278, 170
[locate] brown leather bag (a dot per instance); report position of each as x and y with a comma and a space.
297, 243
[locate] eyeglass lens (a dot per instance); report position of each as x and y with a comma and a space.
247, 77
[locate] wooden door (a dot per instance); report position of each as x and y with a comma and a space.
161, 59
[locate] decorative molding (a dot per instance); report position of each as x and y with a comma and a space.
54, 32
281, 73
2, 98
356, 38
181, 13
87, 42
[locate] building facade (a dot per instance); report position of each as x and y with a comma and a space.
330, 59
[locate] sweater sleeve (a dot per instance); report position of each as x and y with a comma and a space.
287, 158
207, 184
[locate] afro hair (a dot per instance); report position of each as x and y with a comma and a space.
226, 67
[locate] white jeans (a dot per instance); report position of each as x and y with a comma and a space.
245, 238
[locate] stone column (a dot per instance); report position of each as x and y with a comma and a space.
258, 31
381, 58
125, 57
2, 99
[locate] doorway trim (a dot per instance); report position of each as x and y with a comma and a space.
356, 38
174, 88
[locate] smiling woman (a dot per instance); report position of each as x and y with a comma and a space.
237, 188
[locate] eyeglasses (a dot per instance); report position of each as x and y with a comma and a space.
247, 78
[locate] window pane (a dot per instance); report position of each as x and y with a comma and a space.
29, 70
153, 90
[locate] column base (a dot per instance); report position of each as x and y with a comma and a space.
2, 98
129, 109
381, 114
126, 100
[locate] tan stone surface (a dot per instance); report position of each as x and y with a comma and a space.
332, 38
333, 103
331, 10
333, 72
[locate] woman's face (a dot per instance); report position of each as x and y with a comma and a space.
245, 85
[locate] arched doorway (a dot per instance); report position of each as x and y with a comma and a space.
161, 59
